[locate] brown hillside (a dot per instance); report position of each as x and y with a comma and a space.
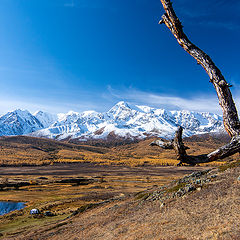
209, 211
23, 150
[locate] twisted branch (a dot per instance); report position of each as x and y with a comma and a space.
230, 115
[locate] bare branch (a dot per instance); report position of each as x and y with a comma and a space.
162, 144
223, 152
230, 115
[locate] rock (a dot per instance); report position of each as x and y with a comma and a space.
213, 176
189, 188
180, 192
162, 205
238, 178
198, 181
48, 214
115, 206
196, 174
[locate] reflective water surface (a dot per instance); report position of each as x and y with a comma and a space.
6, 207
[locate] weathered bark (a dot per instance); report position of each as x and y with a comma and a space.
162, 144
165, 144
180, 149
230, 115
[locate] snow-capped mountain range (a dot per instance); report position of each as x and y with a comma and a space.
120, 121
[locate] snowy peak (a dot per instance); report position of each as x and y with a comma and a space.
121, 112
121, 120
71, 116
145, 109
121, 104
119, 107
89, 114
46, 119
19, 122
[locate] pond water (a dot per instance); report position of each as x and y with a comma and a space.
6, 207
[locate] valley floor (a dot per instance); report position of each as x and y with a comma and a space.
63, 188
210, 212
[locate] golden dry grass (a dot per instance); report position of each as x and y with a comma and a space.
65, 198
212, 213
36, 151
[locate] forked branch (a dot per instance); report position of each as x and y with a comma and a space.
180, 149
230, 115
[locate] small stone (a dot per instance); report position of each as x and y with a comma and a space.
115, 206
198, 181
162, 205
189, 188
180, 192
238, 178
199, 189
213, 176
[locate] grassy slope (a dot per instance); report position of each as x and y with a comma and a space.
210, 213
22, 150
63, 198
131, 218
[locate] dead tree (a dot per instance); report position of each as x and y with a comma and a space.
230, 115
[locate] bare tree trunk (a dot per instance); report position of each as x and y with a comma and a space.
230, 115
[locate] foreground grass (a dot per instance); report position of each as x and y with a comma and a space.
199, 214
24, 223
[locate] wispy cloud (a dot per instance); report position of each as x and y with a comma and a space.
199, 103
93, 4
225, 15
17, 70
70, 4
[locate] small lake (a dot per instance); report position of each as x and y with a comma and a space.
6, 207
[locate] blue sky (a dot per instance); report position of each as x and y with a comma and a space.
60, 55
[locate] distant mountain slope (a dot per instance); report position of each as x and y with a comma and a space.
121, 121
25, 150
19, 122
46, 119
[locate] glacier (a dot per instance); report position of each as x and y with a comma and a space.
122, 120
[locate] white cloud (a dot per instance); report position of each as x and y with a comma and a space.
70, 4
102, 103
201, 103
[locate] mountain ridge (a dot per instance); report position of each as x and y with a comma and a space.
122, 120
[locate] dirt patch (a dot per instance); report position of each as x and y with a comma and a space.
95, 169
